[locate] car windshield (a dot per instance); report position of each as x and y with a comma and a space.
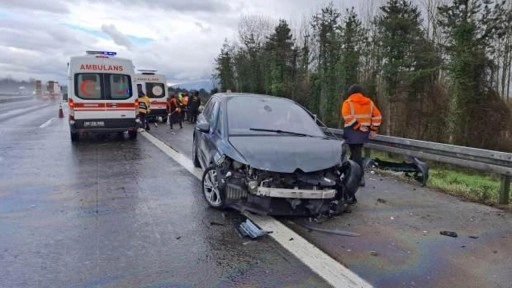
253, 115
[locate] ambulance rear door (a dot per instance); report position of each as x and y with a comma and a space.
103, 94
155, 87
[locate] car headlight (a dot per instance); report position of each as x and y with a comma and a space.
219, 159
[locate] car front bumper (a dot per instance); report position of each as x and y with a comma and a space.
295, 193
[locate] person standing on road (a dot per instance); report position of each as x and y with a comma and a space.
194, 102
174, 111
184, 105
362, 120
144, 109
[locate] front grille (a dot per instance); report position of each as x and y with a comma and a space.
235, 192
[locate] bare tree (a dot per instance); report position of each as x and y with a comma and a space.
255, 29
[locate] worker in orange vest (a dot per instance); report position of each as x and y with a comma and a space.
362, 120
174, 111
184, 105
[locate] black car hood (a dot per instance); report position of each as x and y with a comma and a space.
286, 154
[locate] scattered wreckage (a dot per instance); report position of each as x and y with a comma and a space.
418, 168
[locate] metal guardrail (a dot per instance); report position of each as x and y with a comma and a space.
13, 96
467, 157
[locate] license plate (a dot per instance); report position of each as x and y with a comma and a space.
94, 124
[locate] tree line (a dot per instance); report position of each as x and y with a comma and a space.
440, 70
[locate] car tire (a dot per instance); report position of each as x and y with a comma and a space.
197, 164
214, 196
75, 136
132, 134
164, 119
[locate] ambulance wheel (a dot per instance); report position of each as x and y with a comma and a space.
132, 134
75, 136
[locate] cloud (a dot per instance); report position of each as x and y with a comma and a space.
117, 36
179, 38
177, 5
54, 6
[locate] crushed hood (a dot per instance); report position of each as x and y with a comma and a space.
286, 154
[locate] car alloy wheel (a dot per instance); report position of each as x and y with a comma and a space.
211, 191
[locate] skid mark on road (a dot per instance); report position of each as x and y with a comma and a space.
326, 267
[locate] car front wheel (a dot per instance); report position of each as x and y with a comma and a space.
214, 195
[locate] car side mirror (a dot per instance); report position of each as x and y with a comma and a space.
203, 127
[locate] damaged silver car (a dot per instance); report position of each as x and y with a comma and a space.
268, 155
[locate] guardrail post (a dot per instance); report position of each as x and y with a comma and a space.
504, 190
367, 152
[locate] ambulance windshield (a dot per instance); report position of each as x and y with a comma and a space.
155, 90
102, 86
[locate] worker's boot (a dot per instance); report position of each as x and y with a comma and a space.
351, 200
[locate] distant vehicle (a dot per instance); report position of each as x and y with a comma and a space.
53, 90
268, 155
155, 87
101, 94
39, 89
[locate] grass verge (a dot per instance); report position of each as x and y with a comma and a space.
476, 186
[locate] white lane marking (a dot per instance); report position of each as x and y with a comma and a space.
21, 111
47, 123
326, 267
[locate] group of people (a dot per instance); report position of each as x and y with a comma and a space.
179, 109
183, 109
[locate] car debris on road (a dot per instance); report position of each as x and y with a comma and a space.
248, 228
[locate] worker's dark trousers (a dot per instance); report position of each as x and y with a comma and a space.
175, 117
356, 154
143, 121
193, 116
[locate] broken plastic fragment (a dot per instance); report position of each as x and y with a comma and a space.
448, 233
248, 228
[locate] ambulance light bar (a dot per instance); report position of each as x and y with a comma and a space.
147, 71
106, 53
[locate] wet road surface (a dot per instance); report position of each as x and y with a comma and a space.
110, 212
400, 243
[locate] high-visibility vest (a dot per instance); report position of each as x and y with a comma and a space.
361, 112
144, 104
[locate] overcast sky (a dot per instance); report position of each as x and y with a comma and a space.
180, 38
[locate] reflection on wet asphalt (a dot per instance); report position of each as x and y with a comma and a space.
118, 213
400, 244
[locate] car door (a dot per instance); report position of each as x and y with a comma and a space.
203, 136
211, 138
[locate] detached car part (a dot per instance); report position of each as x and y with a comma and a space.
417, 167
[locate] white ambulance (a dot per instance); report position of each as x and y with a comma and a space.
155, 87
101, 94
